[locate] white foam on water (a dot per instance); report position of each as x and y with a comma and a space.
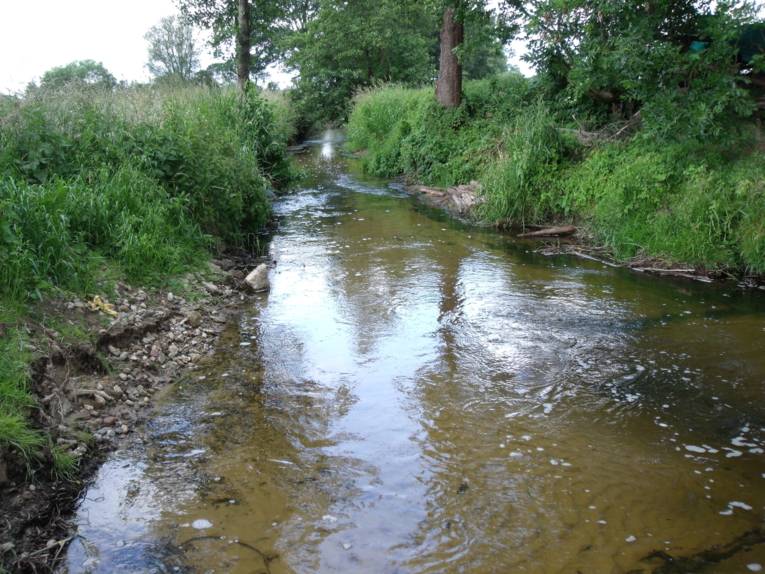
630, 539
754, 567
741, 441
694, 448
741, 505
201, 524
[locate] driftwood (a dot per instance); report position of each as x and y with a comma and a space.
563, 231
687, 273
459, 199
648, 266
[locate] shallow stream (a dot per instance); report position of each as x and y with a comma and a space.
417, 396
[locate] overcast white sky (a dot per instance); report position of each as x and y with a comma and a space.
36, 36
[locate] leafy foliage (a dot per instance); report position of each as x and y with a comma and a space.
141, 183
272, 24
673, 61
405, 131
77, 75
172, 53
350, 45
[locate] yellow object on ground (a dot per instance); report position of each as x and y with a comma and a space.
98, 304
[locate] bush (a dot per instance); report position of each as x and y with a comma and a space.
406, 131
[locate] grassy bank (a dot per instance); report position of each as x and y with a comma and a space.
137, 185
684, 200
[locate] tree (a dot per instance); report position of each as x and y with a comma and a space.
449, 83
79, 74
172, 53
348, 46
674, 61
271, 24
481, 52
243, 47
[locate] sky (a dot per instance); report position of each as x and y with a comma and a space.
37, 36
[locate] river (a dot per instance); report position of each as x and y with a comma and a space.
419, 396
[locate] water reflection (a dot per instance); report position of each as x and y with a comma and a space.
418, 397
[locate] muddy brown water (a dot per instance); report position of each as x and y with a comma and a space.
416, 396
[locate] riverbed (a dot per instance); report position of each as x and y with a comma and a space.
415, 395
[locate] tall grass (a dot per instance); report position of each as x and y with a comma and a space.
145, 180
406, 131
701, 203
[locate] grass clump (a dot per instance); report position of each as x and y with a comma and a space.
15, 399
683, 200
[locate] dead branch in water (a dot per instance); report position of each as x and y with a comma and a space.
562, 231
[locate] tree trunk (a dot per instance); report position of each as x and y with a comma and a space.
243, 44
449, 84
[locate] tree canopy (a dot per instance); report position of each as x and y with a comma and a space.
674, 61
172, 53
81, 72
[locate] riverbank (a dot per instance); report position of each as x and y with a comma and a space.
674, 203
112, 204
463, 202
96, 377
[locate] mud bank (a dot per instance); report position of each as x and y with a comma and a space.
92, 394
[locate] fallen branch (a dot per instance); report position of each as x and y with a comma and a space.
563, 231
687, 273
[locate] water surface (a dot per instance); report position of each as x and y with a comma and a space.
416, 396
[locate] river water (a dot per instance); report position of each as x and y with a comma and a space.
417, 396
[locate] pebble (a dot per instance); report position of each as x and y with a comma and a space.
630, 539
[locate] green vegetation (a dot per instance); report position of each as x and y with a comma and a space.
348, 46
78, 75
642, 125
685, 200
15, 400
136, 183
